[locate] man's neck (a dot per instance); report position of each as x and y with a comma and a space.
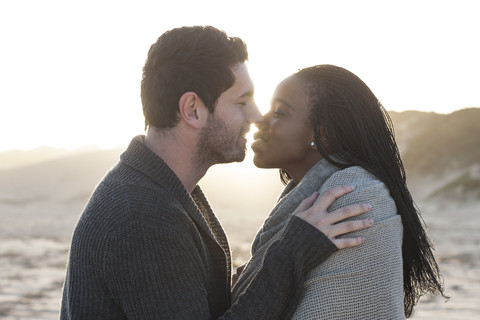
178, 154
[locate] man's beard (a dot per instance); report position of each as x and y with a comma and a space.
218, 144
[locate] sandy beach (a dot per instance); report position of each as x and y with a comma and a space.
35, 236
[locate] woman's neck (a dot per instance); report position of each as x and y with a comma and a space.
299, 170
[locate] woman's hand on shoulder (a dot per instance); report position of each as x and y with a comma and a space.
331, 224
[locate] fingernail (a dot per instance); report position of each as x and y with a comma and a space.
367, 206
350, 188
362, 239
370, 221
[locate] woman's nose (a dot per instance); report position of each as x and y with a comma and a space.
263, 123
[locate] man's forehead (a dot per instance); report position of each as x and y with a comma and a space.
243, 83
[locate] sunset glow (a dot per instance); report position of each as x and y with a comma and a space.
70, 73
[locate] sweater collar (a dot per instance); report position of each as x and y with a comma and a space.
312, 180
291, 197
141, 158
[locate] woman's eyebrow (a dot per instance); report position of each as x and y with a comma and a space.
283, 102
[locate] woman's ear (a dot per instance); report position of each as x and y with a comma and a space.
191, 109
322, 137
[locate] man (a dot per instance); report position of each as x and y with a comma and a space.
148, 245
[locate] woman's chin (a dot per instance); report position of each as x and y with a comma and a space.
257, 161
261, 163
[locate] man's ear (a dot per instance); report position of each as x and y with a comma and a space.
191, 109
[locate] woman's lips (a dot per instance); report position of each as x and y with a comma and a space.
259, 136
258, 140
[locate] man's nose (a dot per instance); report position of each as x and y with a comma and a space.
254, 115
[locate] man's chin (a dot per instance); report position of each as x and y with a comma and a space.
241, 152
240, 156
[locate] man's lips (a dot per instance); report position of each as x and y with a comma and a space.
242, 138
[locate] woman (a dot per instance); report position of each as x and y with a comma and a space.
326, 128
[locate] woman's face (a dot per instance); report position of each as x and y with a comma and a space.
284, 136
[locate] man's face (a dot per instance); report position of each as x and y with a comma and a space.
222, 140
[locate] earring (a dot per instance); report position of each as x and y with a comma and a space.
312, 144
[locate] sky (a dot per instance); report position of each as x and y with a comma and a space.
70, 71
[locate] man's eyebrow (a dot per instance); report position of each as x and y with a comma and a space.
247, 94
283, 102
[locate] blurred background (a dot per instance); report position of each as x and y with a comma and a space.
70, 103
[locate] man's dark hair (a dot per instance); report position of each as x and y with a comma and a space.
198, 59
352, 128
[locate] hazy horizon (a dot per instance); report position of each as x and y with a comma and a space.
95, 145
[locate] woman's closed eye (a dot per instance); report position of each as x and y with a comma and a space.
278, 111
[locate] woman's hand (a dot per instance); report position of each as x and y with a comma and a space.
329, 223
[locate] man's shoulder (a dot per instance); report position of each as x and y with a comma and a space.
126, 184
123, 198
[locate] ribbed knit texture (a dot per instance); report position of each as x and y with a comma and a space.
364, 282
144, 248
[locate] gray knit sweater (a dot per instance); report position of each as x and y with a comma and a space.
144, 248
364, 282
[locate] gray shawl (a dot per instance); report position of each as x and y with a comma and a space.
364, 282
